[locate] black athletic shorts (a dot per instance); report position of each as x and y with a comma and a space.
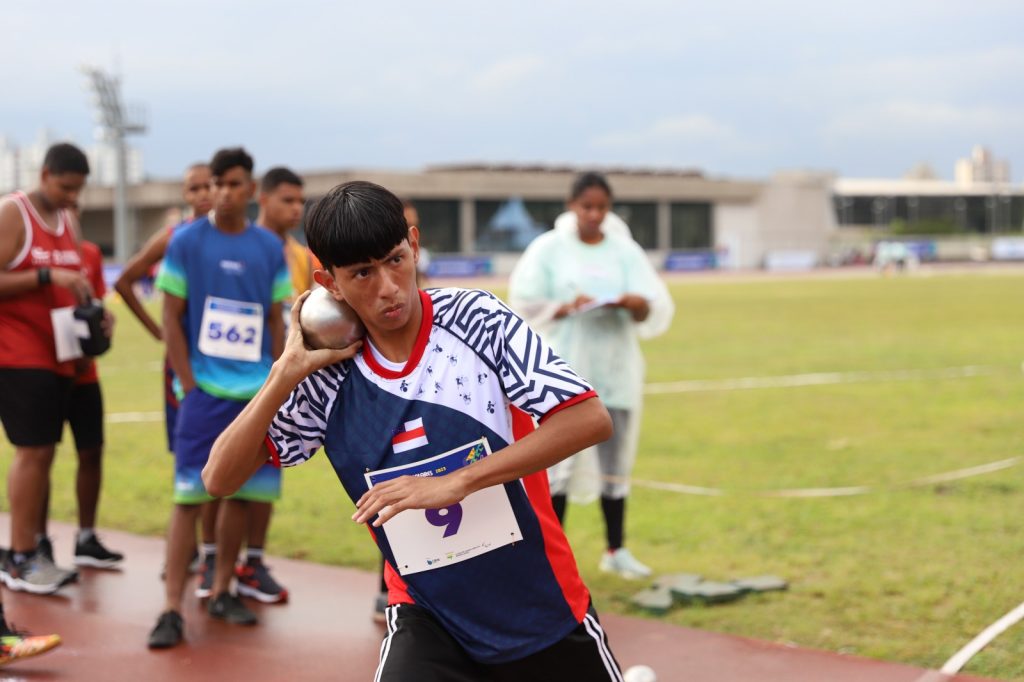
33, 405
417, 647
85, 416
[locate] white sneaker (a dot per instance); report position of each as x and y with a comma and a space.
623, 562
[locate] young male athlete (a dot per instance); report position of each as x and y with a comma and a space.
430, 429
281, 203
41, 281
85, 417
196, 191
223, 280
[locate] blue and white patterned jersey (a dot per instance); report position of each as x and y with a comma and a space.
476, 371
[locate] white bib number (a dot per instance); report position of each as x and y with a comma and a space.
425, 540
232, 330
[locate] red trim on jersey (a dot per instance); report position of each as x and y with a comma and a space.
556, 545
275, 459
417, 350
398, 591
569, 403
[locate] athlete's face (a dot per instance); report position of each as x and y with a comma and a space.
590, 208
282, 207
232, 191
382, 292
61, 190
197, 190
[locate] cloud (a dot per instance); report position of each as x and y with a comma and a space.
508, 73
687, 130
921, 119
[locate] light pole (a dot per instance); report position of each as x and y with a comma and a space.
116, 126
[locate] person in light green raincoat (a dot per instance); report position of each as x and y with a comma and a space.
592, 293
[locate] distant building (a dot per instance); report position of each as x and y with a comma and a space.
8, 165
489, 212
929, 206
981, 167
103, 165
20, 166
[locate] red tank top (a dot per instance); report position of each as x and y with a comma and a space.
26, 331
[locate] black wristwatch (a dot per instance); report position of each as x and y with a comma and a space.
43, 276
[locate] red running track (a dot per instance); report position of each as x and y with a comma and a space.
326, 633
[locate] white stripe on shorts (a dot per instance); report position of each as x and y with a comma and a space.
597, 632
391, 616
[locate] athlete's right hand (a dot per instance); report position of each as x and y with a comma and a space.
299, 358
73, 281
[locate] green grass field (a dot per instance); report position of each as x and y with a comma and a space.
902, 574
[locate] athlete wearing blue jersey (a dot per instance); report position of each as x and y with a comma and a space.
223, 281
430, 427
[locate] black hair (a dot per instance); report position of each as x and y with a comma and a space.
585, 182
65, 158
279, 175
355, 222
226, 159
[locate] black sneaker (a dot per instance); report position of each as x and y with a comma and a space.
255, 582
91, 552
169, 631
205, 585
229, 608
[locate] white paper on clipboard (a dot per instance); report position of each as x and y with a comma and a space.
66, 332
593, 305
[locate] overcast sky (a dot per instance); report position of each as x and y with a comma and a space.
738, 89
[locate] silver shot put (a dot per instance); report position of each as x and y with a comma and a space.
328, 323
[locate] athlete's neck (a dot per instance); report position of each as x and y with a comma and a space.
396, 344
47, 211
231, 224
280, 232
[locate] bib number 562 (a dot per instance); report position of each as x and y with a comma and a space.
449, 518
232, 334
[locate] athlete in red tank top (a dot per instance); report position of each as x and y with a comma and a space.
40, 270
26, 331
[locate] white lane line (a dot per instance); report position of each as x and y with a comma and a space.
846, 491
742, 383
817, 492
681, 488
966, 473
960, 658
816, 379
134, 417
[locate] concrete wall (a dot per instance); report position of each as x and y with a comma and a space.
795, 213
737, 235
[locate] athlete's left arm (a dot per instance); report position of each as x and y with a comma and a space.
564, 433
275, 324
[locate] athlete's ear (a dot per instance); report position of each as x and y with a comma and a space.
414, 242
325, 279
